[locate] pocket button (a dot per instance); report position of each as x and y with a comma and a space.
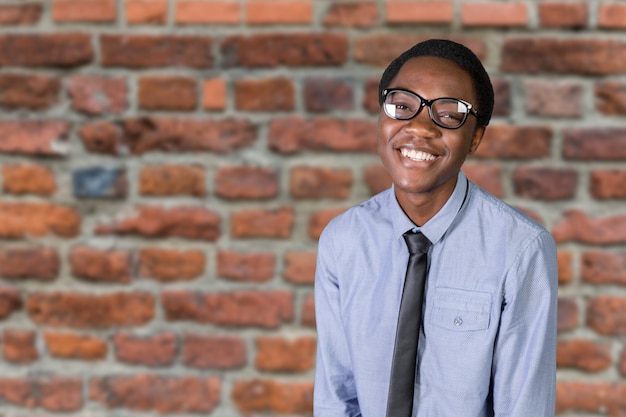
458, 321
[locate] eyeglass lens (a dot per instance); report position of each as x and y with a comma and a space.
402, 105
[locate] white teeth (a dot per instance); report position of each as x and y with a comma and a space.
417, 155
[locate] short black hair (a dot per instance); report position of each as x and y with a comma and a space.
460, 55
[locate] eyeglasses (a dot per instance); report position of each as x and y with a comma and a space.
449, 113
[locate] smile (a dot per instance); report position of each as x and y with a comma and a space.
414, 155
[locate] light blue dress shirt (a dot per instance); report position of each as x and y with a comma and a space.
487, 346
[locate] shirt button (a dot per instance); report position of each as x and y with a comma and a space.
458, 321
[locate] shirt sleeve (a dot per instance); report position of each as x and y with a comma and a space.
334, 391
524, 362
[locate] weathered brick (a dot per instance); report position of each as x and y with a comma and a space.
377, 179
100, 182
502, 97
515, 142
148, 221
550, 99
153, 350
167, 265
98, 265
33, 137
276, 354
308, 311
35, 92
18, 392
493, 14
265, 95
362, 14
314, 182
293, 134
39, 263
622, 362
567, 314
545, 183
94, 95
10, 301
232, 182
258, 223
27, 178
146, 11
65, 50
162, 394
20, 14
564, 56
603, 268
75, 346
147, 51
606, 315
102, 137
170, 180
81, 310
486, 176
84, 11
19, 346
207, 12
584, 355
612, 15
291, 50
214, 351
592, 396
370, 96
246, 267
611, 98
300, 267
34, 219
267, 309
563, 15
319, 220
565, 270
60, 394
423, 12
214, 94
608, 183
576, 226
269, 396
167, 93
323, 95
283, 12
605, 144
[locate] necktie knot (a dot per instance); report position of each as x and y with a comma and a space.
416, 242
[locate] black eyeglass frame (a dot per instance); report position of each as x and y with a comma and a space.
428, 103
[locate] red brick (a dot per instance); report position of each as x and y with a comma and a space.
185, 222
146, 11
563, 15
611, 98
584, 355
35, 92
576, 226
502, 97
246, 267
300, 267
603, 268
267, 95
608, 397
214, 352
622, 362
607, 315
98, 265
65, 50
268, 396
171, 180
207, 12
312, 182
39, 263
20, 14
20, 220
102, 137
515, 142
564, 56
94, 95
567, 314
19, 346
612, 16
167, 265
10, 301
258, 223
167, 93
214, 94
61, 394
423, 12
608, 183
34, 137
362, 14
290, 50
370, 96
550, 99
243, 182
90, 311
308, 311
268, 309
494, 14
18, 392
187, 135
283, 12
324, 94
293, 134
585, 144
161, 394
275, 354
75, 346
486, 176
154, 350
548, 184
377, 179
26, 178
564, 261
319, 220
148, 51
84, 10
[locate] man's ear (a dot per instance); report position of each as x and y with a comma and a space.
476, 139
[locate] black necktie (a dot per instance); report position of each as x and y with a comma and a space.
401, 387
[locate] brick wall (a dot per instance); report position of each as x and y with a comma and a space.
167, 167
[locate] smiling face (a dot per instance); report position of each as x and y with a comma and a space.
422, 158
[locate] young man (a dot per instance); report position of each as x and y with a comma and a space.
485, 344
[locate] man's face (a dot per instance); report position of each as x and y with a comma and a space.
422, 157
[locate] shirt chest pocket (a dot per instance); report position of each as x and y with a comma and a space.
461, 310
